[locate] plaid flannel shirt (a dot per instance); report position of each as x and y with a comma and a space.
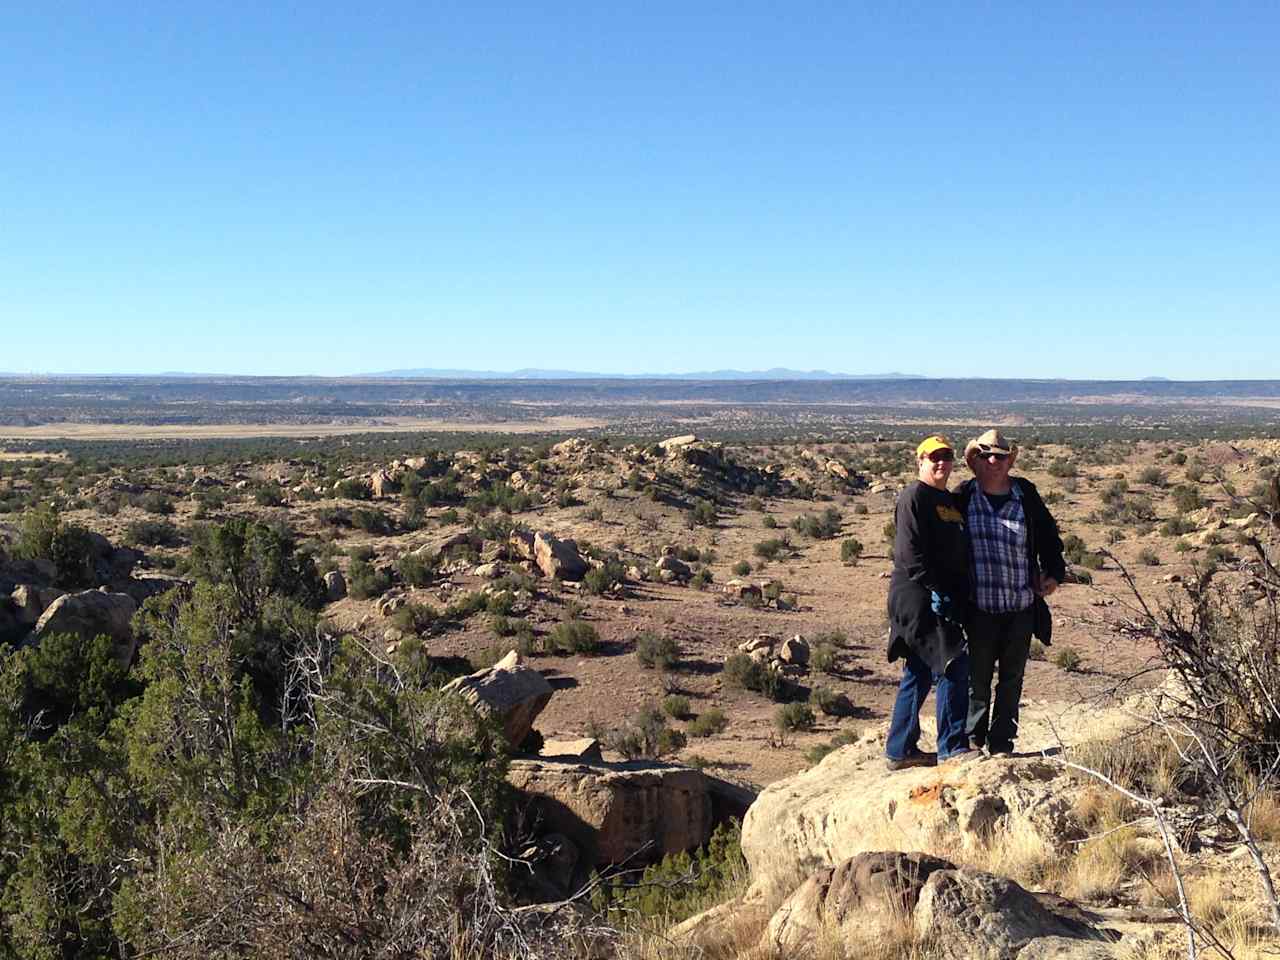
998, 549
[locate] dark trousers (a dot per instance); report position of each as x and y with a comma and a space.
953, 692
997, 641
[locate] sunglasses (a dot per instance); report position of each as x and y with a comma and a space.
942, 456
997, 457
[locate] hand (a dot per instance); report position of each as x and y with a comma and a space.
1047, 586
942, 605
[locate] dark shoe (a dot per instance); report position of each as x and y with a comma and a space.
917, 759
961, 755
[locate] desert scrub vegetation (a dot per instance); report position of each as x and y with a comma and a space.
657, 652
574, 636
238, 709
822, 526
708, 723
646, 735
747, 674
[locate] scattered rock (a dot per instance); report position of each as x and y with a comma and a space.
335, 585
383, 484
490, 571
510, 691
558, 558
795, 651
390, 603
678, 569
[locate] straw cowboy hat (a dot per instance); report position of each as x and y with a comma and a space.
993, 441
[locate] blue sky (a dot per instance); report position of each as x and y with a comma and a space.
1042, 190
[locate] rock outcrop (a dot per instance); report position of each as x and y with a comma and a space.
618, 812
89, 614
509, 691
849, 804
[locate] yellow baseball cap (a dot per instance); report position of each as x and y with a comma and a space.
930, 444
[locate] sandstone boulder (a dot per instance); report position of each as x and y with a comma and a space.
558, 558
30, 601
978, 916
849, 804
875, 891
672, 444
383, 484
490, 571
795, 651
521, 544
678, 569
511, 692
614, 813
335, 585
89, 614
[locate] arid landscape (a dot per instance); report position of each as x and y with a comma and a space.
709, 601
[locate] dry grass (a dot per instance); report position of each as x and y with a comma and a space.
1264, 816
1240, 932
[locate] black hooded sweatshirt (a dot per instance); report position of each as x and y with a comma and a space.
930, 553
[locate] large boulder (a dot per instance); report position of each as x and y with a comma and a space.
509, 691
30, 601
558, 558
335, 585
89, 614
616, 813
873, 891
383, 484
849, 804
972, 915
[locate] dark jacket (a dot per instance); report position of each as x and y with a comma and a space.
1044, 543
930, 554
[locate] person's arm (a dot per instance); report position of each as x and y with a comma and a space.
911, 546
1048, 540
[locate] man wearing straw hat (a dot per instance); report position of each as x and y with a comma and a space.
1015, 561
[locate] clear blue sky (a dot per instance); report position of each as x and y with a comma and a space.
1043, 190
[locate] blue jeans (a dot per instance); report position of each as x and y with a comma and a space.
952, 705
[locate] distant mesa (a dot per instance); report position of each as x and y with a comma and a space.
774, 373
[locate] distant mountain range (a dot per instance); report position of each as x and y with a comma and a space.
775, 373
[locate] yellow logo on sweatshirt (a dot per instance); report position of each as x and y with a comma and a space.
949, 514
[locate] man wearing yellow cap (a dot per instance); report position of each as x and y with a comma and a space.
927, 595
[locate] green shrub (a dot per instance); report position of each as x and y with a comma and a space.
372, 521
823, 526
575, 636
1149, 557
890, 531
646, 735
353, 489
769, 549
1187, 498
850, 550
676, 705
769, 523
1152, 476
600, 580
1177, 526
701, 580
152, 533
364, 581
43, 536
741, 568
1182, 546
708, 723
415, 618
793, 717
704, 513
1068, 659
841, 739
466, 606
861, 509
743, 672
828, 701
680, 885
1038, 650
415, 570
824, 658
657, 653
1062, 468
154, 502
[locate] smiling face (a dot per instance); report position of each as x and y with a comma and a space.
935, 468
992, 470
